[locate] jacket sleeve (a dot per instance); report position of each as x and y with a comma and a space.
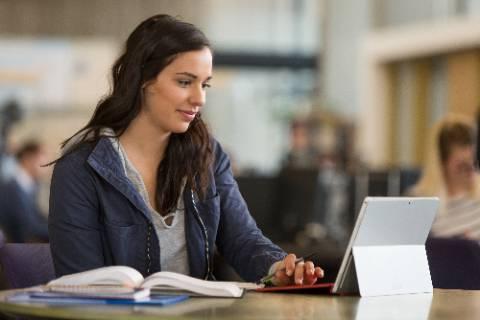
74, 218
239, 239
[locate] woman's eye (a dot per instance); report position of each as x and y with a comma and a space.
184, 83
206, 85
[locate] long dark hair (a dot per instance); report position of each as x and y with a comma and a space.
149, 49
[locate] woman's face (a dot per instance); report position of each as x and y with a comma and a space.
176, 95
460, 167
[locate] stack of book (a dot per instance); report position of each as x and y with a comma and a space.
125, 285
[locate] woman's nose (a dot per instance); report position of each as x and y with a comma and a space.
198, 96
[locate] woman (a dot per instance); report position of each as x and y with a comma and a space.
450, 173
144, 184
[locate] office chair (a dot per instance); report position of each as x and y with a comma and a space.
299, 200
3, 239
454, 263
26, 264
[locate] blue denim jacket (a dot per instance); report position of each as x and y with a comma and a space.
97, 218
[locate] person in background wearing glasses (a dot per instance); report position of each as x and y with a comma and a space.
451, 174
144, 184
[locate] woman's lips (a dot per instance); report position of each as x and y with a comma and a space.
188, 115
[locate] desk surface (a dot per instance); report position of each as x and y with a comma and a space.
444, 304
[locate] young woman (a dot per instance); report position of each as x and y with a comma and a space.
451, 174
143, 184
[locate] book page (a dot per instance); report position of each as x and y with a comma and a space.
112, 275
171, 281
92, 291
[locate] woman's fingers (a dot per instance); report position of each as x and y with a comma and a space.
307, 273
309, 268
288, 272
281, 278
309, 276
299, 272
319, 272
290, 264
311, 273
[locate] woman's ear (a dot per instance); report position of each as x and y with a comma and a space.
145, 85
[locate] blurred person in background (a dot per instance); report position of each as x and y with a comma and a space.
144, 184
8, 161
10, 113
21, 218
451, 174
301, 154
315, 148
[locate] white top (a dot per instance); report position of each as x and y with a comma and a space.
171, 237
461, 218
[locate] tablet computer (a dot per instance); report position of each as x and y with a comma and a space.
386, 252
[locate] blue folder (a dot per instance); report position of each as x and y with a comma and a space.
50, 298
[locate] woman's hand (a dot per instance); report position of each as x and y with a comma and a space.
287, 272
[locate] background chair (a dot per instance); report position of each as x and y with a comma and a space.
26, 264
454, 263
3, 239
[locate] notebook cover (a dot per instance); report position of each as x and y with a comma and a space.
325, 288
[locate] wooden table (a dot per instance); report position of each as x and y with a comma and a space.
443, 304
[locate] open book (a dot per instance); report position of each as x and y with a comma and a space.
163, 282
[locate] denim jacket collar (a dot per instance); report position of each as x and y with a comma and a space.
105, 161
